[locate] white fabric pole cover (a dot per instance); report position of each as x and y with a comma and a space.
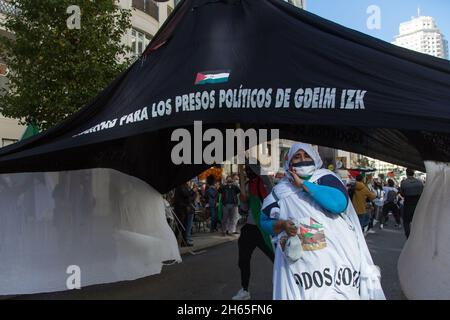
424, 264
111, 225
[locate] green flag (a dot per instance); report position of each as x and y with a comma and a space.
30, 131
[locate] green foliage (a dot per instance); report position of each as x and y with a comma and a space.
56, 70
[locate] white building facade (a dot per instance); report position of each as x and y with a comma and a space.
147, 17
423, 35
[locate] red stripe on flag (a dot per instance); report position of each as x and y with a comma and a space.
200, 77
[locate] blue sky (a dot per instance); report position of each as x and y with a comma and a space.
352, 14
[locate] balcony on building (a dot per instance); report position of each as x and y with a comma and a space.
148, 6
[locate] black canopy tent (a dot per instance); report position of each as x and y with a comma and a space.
347, 90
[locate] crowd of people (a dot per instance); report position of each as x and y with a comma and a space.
219, 203
374, 198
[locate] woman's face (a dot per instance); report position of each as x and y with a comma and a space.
300, 156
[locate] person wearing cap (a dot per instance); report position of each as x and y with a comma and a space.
320, 250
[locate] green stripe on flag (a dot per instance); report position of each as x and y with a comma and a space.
213, 81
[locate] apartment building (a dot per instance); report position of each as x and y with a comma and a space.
422, 34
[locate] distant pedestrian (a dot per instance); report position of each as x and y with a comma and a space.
378, 201
390, 204
212, 198
411, 189
229, 192
184, 209
359, 199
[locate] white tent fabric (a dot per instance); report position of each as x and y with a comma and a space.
424, 264
111, 225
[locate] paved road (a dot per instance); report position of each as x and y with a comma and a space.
385, 246
214, 275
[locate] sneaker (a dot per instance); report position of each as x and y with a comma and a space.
371, 231
242, 295
381, 226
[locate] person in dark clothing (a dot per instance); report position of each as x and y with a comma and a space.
411, 190
390, 204
252, 236
184, 210
229, 194
211, 197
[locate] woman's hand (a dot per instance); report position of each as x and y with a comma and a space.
285, 225
298, 182
290, 228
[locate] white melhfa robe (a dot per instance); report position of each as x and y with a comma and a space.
335, 262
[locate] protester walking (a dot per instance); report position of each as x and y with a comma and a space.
252, 236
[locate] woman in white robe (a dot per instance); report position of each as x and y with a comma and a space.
320, 250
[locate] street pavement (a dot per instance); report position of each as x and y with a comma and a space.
385, 246
213, 274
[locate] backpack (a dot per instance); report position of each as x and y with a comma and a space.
391, 196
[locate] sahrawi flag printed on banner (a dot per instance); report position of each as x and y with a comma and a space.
208, 77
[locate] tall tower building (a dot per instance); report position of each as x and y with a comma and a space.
422, 34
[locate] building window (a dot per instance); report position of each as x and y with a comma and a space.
7, 142
148, 6
139, 41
